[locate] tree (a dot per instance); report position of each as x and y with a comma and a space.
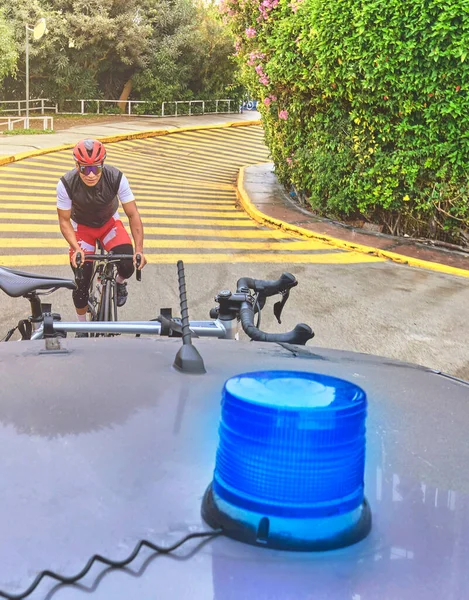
214, 71
153, 49
190, 55
90, 48
8, 53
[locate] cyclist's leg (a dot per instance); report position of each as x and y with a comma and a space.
80, 295
118, 240
86, 238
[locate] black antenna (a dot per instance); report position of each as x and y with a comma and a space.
188, 359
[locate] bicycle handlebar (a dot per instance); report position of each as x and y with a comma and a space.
243, 305
268, 287
109, 258
299, 335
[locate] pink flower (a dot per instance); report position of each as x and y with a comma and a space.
264, 80
273, 98
250, 32
283, 114
265, 7
259, 70
289, 161
267, 101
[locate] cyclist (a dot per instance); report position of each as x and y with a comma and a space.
87, 201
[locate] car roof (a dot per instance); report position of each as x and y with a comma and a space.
106, 443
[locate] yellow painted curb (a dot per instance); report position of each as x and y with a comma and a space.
5, 160
268, 221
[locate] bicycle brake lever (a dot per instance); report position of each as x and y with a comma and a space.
79, 269
278, 306
138, 273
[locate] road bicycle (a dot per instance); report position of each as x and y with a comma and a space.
102, 293
102, 303
232, 309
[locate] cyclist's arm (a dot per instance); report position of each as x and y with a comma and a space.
64, 210
67, 230
135, 222
136, 227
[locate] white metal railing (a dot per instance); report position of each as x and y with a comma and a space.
19, 106
47, 122
132, 108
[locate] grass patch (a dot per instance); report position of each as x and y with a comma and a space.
27, 131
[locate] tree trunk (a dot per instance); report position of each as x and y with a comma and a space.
124, 95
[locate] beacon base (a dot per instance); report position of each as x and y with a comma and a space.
300, 535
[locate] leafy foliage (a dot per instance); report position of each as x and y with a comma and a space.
94, 48
8, 54
365, 105
190, 56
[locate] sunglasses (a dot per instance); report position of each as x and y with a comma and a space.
86, 169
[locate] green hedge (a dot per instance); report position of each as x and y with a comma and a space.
376, 100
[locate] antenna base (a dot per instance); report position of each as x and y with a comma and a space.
188, 360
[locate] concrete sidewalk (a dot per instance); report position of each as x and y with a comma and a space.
16, 144
270, 198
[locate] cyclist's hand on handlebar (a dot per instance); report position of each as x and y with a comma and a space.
142, 262
78, 253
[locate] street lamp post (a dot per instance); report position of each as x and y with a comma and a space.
38, 32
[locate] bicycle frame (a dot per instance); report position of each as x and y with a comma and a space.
107, 302
102, 302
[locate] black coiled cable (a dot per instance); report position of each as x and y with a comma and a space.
116, 564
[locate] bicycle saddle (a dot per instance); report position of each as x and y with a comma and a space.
16, 283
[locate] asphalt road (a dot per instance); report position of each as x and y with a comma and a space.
185, 188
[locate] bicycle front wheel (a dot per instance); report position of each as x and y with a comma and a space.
108, 306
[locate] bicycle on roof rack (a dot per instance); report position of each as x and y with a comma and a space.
232, 309
102, 302
102, 297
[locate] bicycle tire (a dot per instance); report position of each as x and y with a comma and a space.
94, 297
114, 300
109, 304
104, 307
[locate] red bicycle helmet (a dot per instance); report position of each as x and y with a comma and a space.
89, 152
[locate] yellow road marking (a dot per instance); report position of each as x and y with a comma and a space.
153, 173
53, 177
187, 211
251, 231
159, 243
23, 260
34, 202
192, 164
197, 141
51, 185
227, 222
181, 197
150, 169
192, 183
